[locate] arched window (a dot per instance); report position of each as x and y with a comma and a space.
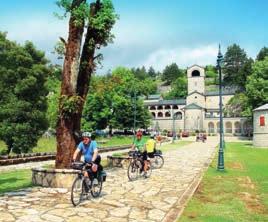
195, 73
167, 107
160, 107
237, 126
178, 115
152, 108
167, 114
228, 127
153, 115
175, 107
210, 127
160, 114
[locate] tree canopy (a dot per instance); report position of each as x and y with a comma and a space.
171, 73
23, 72
237, 66
262, 54
113, 102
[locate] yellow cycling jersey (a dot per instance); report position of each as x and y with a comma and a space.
150, 145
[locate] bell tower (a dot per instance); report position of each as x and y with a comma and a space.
196, 79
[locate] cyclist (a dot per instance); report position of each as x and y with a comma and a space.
151, 146
88, 148
139, 144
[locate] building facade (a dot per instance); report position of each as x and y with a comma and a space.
198, 111
260, 132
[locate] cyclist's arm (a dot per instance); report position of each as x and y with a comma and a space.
75, 154
95, 154
95, 151
133, 147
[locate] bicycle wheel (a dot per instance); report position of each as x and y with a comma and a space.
157, 162
96, 187
77, 191
133, 171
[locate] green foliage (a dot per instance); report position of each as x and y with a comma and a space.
69, 105
262, 54
257, 84
171, 73
112, 102
151, 72
178, 89
53, 85
211, 71
23, 72
237, 66
237, 106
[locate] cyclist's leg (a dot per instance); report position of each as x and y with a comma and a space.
144, 158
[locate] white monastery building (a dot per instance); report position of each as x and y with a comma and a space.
198, 111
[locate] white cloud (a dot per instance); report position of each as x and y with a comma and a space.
183, 56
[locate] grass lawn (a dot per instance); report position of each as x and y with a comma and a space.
240, 193
14, 180
49, 145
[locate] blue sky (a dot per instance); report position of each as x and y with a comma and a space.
151, 32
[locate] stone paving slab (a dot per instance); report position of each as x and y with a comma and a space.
153, 199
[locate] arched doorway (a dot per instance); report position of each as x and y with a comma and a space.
228, 127
218, 127
237, 126
178, 115
210, 127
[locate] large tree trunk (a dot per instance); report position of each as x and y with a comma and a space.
76, 80
66, 139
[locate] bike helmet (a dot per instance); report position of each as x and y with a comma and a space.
139, 133
86, 134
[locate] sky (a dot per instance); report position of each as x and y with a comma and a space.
150, 32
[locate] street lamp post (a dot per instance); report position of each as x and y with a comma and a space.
135, 113
221, 153
173, 126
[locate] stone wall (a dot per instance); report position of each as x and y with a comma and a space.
58, 178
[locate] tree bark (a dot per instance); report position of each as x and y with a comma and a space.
66, 138
76, 79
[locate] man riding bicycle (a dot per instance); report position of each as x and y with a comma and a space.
139, 144
88, 148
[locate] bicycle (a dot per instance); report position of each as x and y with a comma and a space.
136, 166
158, 160
80, 188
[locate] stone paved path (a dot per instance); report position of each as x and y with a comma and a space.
144, 200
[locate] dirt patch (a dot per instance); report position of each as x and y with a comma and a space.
203, 197
252, 202
235, 166
191, 215
246, 182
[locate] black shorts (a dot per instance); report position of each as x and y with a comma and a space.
100, 167
144, 155
150, 155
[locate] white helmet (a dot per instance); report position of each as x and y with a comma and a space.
86, 134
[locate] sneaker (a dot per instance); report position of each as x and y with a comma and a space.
145, 175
